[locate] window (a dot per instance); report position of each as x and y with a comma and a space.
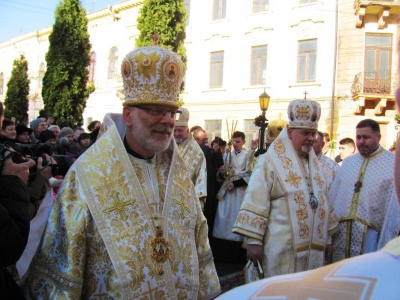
306, 60
113, 63
216, 69
1, 83
258, 65
378, 59
260, 5
213, 129
307, 1
187, 4
219, 9
250, 131
41, 75
92, 66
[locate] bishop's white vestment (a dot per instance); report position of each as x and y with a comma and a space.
374, 276
361, 194
277, 210
124, 228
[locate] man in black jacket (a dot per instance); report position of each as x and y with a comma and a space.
214, 161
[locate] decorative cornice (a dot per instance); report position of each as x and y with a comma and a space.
306, 20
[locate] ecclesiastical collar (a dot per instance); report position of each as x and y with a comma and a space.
133, 153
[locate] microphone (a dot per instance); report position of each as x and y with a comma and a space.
63, 142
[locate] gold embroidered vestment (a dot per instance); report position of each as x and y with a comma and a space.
124, 228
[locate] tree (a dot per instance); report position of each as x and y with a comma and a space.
168, 18
65, 88
16, 100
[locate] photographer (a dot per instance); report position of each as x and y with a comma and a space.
39, 182
14, 218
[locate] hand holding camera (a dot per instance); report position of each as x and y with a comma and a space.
21, 170
46, 166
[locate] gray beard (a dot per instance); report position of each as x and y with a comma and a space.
306, 148
143, 136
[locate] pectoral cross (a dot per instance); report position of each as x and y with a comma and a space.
357, 186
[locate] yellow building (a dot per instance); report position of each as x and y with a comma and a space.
341, 53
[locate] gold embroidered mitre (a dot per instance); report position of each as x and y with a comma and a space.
275, 127
304, 113
152, 76
183, 117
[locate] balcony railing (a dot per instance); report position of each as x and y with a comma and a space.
367, 83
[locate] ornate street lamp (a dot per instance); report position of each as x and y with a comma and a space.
264, 103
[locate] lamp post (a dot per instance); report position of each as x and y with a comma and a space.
264, 102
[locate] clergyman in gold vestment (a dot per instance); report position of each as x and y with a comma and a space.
127, 223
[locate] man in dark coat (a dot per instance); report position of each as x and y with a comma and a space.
14, 219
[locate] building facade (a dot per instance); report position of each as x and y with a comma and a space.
341, 53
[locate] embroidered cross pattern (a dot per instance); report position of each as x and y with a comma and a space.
323, 283
357, 186
117, 205
150, 292
183, 207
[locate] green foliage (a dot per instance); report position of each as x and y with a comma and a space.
168, 18
16, 100
65, 88
259, 120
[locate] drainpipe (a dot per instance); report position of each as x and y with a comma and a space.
334, 69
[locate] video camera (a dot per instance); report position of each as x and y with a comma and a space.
18, 152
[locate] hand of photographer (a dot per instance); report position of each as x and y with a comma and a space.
46, 172
20, 170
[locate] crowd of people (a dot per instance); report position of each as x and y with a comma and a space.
151, 204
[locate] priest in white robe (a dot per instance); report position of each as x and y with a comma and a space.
362, 193
127, 223
328, 166
192, 154
236, 174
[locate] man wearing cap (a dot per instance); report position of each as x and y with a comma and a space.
56, 130
364, 197
192, 154
286, 213
23, 134
328, 166
38, 125
127, 223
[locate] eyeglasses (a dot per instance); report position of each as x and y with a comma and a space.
308, 134
160, 112
44, 125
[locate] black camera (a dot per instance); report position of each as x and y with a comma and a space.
18, 152
15, 155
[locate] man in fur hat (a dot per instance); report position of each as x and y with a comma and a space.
286, 213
